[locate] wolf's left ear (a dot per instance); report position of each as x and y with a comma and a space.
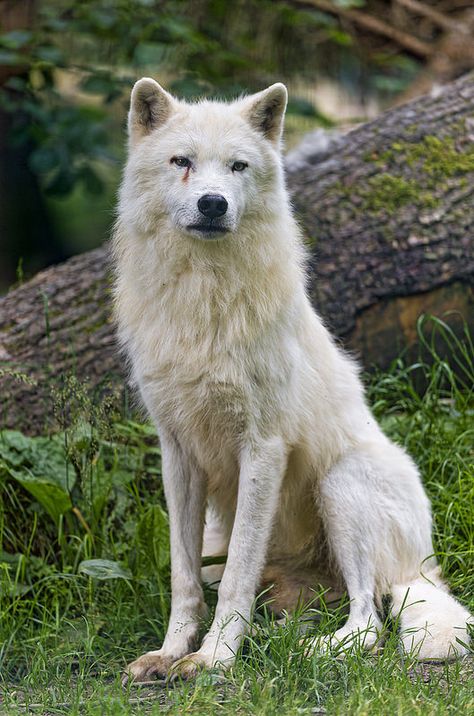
150, 106
265, 111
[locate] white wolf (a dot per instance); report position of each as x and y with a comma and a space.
262, 418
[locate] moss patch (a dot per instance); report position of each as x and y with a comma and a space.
389, 192
385, 192
432, 159
437, 158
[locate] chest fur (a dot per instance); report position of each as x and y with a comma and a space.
213, 348
212, 391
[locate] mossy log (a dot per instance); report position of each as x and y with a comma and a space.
387, 213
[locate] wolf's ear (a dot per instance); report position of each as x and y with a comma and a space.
265, 111
150, 106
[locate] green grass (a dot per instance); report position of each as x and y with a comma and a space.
68, 625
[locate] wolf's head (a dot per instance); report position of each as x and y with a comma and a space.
204, 170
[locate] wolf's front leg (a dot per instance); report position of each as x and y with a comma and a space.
185, 492
262, 469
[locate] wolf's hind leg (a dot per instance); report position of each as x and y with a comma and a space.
348, 504
378, 526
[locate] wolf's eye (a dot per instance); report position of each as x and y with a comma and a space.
239, 166
180, 161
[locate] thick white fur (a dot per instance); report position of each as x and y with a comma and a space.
261, 415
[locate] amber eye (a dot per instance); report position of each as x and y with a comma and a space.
180, 161
239, 166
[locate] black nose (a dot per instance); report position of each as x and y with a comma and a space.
212, 205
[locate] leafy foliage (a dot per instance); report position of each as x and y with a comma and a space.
71, 73
39, 465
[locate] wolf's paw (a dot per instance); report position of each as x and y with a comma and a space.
435, 643
189, 666
151, 665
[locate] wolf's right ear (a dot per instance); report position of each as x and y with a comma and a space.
150, 106
265, 111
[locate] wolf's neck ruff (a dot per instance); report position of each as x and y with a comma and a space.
209, 291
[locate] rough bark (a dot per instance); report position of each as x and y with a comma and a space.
54, 326
387, 215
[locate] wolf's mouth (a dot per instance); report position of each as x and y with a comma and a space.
208, 228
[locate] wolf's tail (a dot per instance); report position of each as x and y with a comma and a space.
433, 625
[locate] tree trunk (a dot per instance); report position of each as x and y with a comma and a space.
387, 216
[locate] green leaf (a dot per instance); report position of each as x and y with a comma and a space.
149, 53
99, 84
12, 559
16, 83
41, 466
7, 57
103, 19
13, 446
340, 37
50, 54
53, 498
15, 39
103, 569
43, 159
